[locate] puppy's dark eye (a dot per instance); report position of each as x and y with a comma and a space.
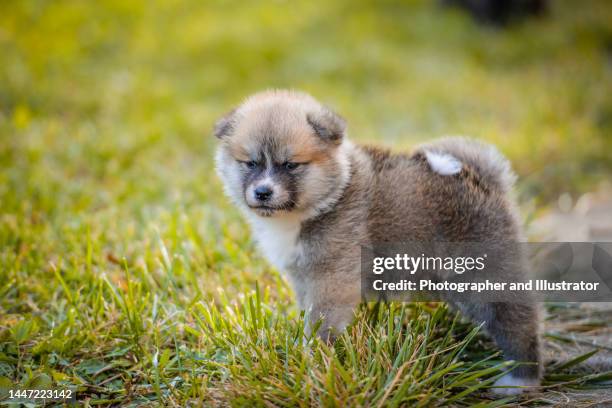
291, 165
250, 164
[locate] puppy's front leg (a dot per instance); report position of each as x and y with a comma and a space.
333, 298
334, 320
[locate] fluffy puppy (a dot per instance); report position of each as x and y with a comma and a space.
313, 199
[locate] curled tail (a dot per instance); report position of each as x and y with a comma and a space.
450, 155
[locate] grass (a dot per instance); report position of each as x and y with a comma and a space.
126, 273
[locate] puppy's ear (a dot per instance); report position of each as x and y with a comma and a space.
327, 125
225, 125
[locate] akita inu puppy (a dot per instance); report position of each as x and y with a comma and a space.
313, 199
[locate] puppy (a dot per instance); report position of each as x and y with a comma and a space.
313, 199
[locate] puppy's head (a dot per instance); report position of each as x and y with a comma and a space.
281, 152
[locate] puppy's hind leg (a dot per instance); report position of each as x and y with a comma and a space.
514, 327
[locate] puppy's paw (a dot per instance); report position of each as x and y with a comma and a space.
516, 385
329, 335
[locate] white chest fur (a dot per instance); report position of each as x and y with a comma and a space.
277, 238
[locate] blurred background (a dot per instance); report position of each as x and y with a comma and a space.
122, 95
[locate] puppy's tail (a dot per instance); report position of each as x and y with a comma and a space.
455, 153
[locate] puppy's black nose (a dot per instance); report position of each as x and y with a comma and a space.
262, 193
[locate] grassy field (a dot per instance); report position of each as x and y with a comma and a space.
125, 272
